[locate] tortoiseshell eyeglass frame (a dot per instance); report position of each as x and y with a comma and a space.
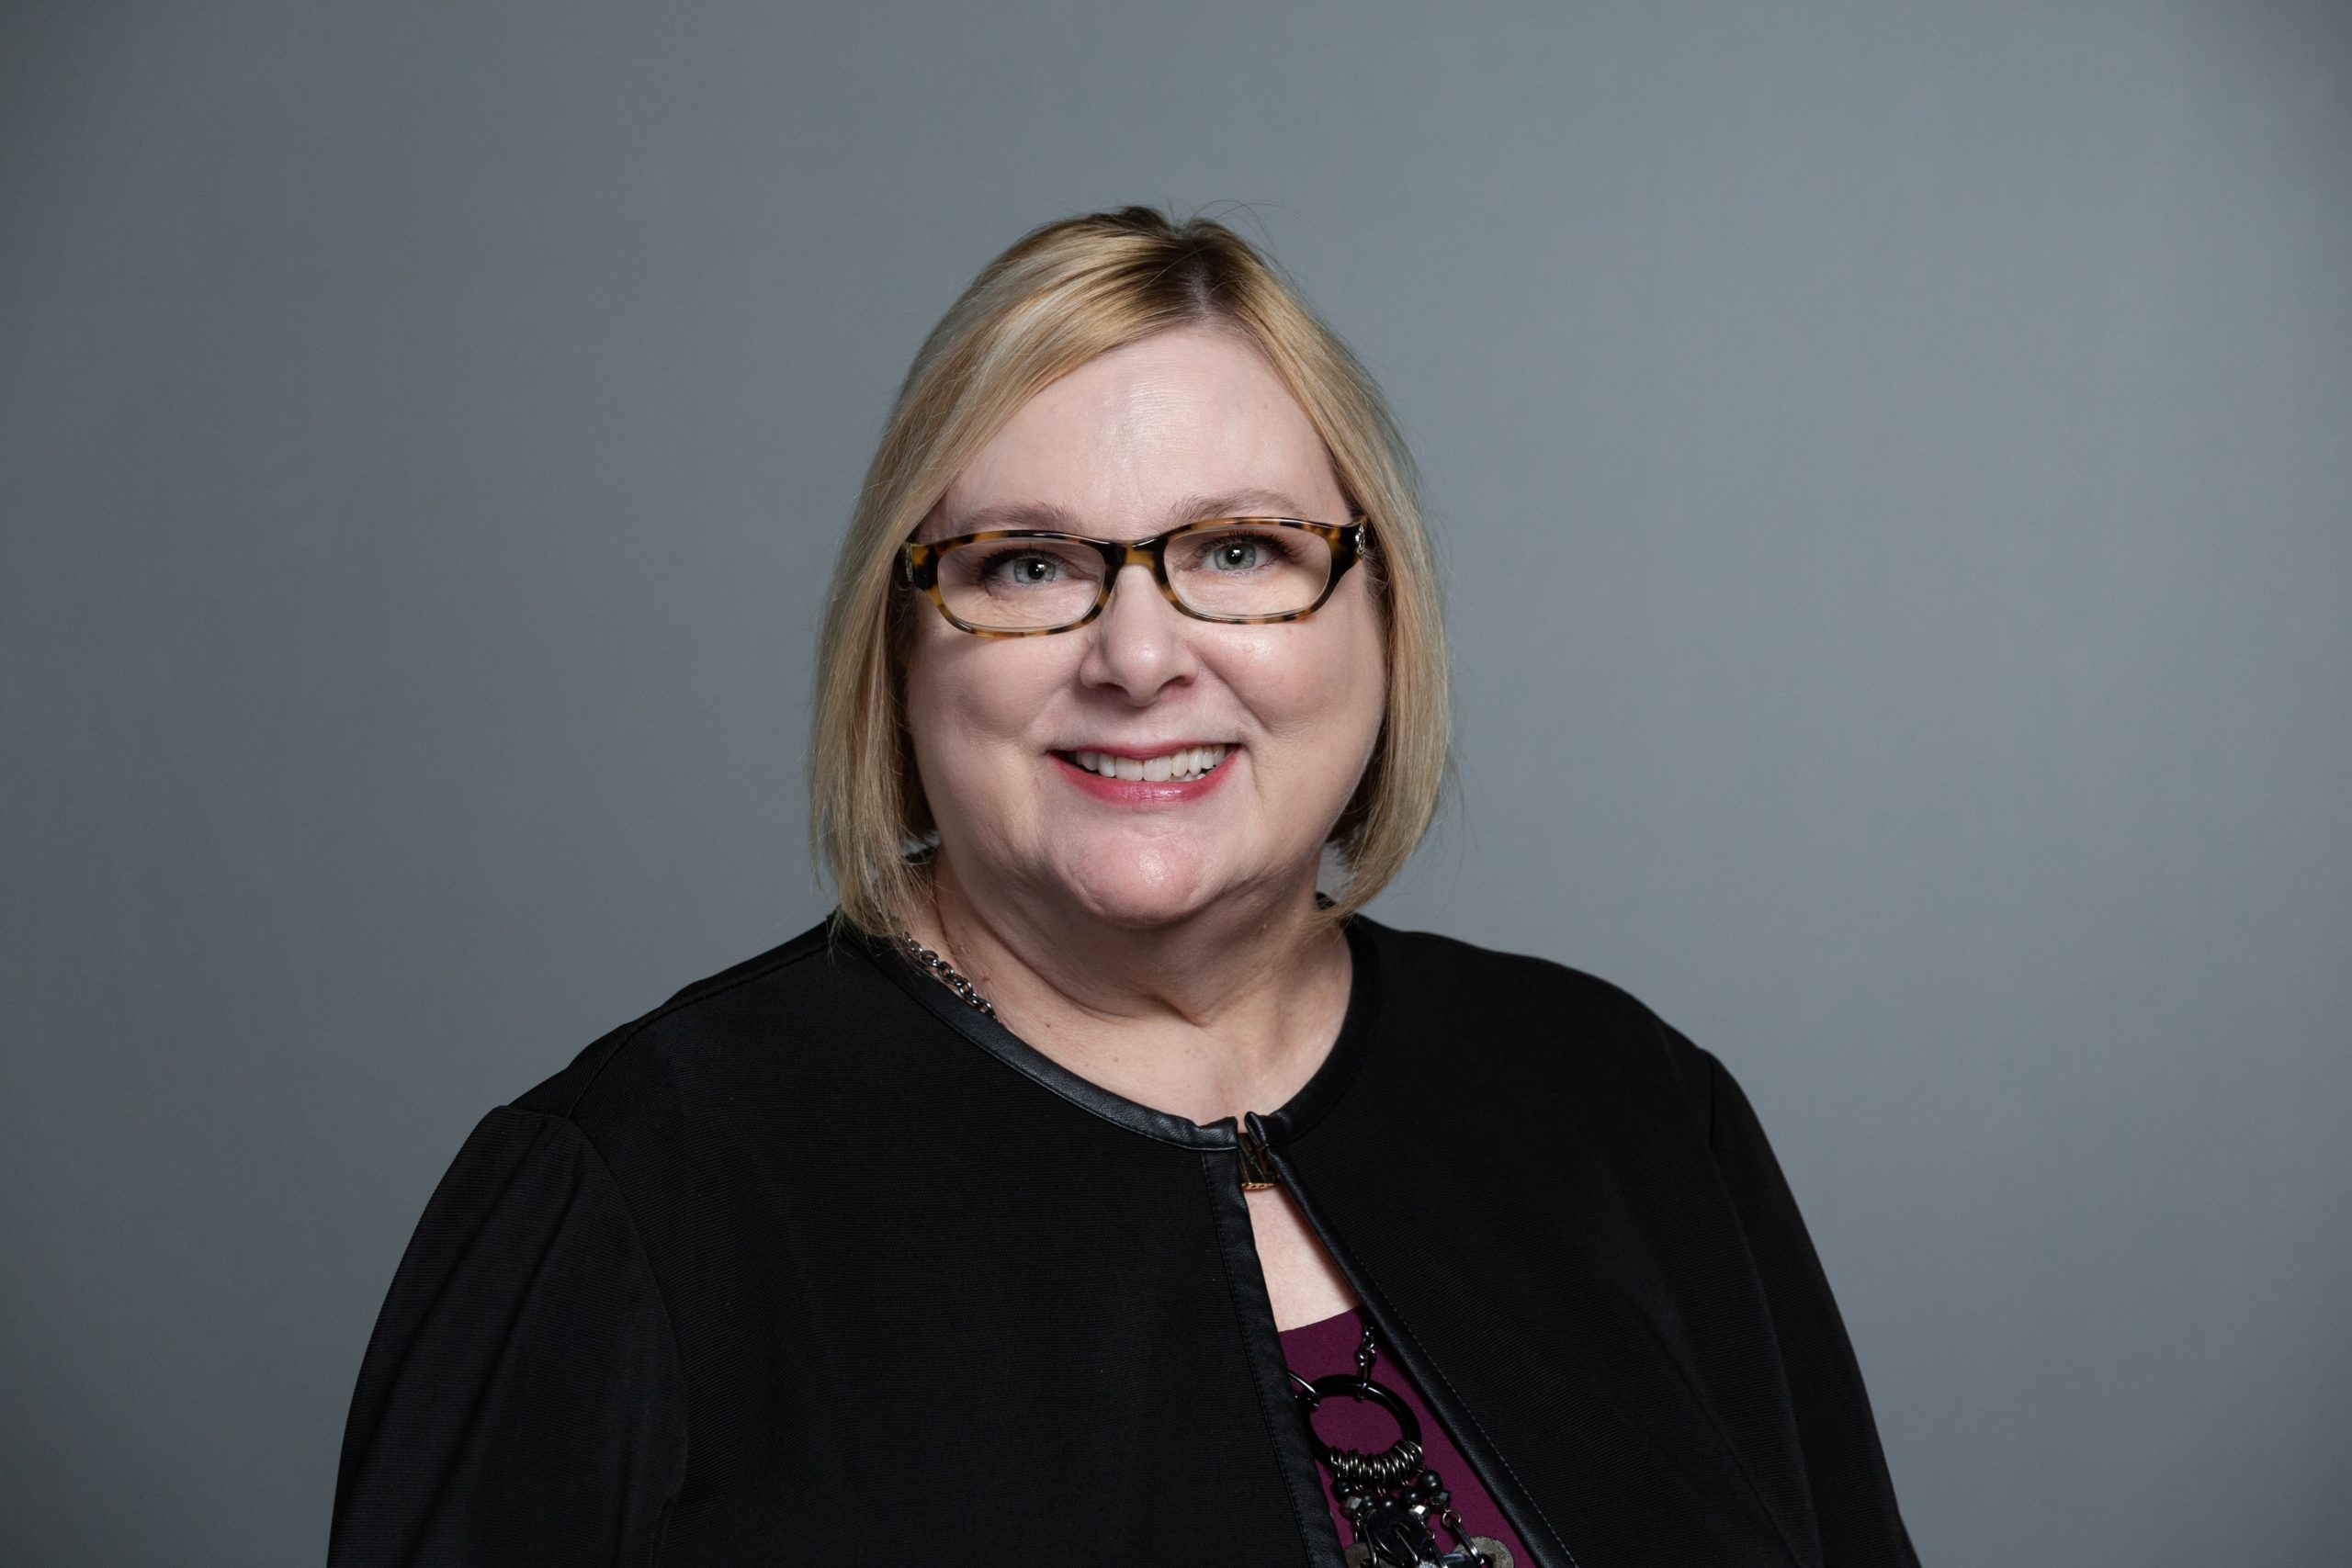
1347, 541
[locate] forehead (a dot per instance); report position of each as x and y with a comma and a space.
1135, 439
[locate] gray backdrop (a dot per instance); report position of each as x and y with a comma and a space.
1891, 466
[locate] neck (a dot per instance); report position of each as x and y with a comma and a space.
1223, 1013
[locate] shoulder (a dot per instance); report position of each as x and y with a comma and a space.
1533, 1013
754, 1016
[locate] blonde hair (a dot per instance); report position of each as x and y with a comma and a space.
1059, 297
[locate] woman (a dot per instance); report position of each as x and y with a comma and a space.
1284, 1233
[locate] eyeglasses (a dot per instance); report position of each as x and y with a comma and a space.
1239, 571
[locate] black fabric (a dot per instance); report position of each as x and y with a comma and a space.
815, 1263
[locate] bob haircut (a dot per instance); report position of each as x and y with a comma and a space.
1059, 297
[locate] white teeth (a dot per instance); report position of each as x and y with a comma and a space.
1186, 762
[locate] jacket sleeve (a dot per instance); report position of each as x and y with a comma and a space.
1853, 1498
520, 1402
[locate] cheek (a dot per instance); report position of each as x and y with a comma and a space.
973, 699
1326, 680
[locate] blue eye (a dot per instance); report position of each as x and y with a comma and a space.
1233, 552
1021, 569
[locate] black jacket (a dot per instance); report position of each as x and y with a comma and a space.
815, 1264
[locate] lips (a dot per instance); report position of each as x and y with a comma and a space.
1166, 778
1184, 762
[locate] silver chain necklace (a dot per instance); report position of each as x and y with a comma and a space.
945, 973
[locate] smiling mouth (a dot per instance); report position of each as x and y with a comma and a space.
1186, 762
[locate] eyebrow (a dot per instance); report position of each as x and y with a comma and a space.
1190, 509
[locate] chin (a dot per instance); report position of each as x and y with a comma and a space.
1141, 886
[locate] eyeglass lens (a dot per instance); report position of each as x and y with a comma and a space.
1239, 569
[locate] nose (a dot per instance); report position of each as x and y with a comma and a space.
1140, 643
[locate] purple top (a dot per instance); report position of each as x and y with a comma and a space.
1318, 1350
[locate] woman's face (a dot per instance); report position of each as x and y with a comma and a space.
1188, 424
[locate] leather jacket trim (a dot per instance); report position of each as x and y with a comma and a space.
1253, 1313
1315, 1097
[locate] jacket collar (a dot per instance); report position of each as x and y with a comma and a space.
1301, 1111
